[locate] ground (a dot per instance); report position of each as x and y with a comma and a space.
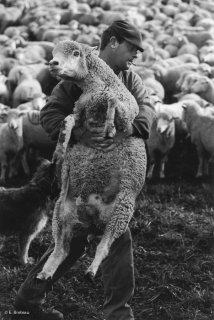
173, 239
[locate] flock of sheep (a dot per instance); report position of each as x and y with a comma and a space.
177, 65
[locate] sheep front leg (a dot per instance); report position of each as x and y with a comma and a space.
162, 167
109, 129
64, 137
199, 173
24, 162
3, 170
13, 167
62, 143
117, 225
200, 170
150, 170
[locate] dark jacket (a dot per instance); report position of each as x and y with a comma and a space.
61, 103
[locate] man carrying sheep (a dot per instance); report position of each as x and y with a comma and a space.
120, 43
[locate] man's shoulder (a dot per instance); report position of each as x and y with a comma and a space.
131, 80
130, 76
129, 73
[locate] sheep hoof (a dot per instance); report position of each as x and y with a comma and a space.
110, 131
89, 276
43, 276
30, 261
25, 261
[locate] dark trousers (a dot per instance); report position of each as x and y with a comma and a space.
117, 275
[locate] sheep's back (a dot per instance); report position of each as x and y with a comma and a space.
203, 133
90, 170
111, 81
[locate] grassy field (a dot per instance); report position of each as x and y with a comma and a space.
173, 232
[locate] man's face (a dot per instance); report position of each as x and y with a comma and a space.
124, 55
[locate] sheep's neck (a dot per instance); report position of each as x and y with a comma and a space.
91, 81
15, 139
99, 75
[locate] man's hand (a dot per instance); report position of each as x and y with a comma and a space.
93, 136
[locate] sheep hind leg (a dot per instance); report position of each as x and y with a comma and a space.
65, 215
200, 154
123, 211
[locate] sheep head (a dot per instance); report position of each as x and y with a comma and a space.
14, 120
165, 126
69, 60
200, 85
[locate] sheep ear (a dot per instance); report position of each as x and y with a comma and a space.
23, 112
174, 118
95, 50
88, 49
177, 95
205, 80
184, 106
21, 72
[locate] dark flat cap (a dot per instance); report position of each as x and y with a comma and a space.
128, 32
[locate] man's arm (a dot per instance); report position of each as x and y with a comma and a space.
143, 122
141, 125
60, 104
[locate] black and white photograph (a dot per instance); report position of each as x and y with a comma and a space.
106, 160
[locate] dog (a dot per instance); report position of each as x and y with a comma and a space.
24, 210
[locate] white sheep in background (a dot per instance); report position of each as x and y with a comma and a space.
88, 174
174, 109
192, 97
200, 124
204, 86
3, 112
36, 142
186, 80
4, 93
37, 103
160, 142
11, 142
27, 89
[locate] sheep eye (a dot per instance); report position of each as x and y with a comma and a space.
76, 53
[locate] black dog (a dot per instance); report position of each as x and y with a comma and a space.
23, 210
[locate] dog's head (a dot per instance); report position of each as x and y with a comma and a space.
45, 178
